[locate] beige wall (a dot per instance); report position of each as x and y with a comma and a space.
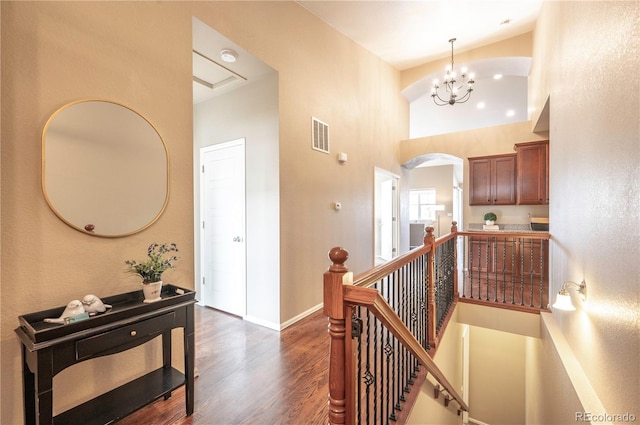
582, 53
139, 53
496, 376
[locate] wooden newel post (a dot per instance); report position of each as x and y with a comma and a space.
334, 310
430, 240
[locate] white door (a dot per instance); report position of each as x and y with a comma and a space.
222, 209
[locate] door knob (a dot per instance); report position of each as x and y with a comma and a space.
237, 239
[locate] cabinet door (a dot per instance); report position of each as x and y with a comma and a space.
506, 256
492, 180
480, 255
534, 259
480, 181
504, 180
532, 173
495, 256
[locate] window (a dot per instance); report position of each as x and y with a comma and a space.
422, 204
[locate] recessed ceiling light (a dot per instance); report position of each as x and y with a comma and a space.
497, 76
481, 105
228, 55
511, 113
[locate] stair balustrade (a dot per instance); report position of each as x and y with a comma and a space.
382, 326
506, 269
385, 324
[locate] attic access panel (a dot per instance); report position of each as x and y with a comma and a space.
209, 76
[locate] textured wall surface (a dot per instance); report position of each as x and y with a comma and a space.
591, 73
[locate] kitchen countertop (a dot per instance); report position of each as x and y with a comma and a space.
504, 228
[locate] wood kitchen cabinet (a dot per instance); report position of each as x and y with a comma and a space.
492, 180
533, 172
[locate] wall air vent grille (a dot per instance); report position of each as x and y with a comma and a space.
320, 139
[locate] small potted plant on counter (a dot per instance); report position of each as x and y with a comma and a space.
490, 219
159, 260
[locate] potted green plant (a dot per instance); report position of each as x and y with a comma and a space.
160, 258
490, 219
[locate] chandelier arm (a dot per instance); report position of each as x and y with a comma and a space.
464, 98
444, 102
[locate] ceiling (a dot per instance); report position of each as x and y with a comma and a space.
409, 33
404, 34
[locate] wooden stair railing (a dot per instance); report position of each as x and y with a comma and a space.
506, 269
343, 302
372, 299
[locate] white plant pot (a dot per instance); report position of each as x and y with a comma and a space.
152, 291
489, 222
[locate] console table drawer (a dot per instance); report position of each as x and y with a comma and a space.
145, 329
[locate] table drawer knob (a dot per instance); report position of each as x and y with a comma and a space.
133, 333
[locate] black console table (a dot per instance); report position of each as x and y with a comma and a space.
49, 348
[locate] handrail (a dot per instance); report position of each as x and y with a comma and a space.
410, 318
369, 277
372, 299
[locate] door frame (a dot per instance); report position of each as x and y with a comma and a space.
395, 238
203, 149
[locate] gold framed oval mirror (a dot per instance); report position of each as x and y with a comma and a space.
105, 168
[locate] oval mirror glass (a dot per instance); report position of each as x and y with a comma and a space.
105, 168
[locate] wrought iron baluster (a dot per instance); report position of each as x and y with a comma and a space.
368, 376
468, 262
359, 370
542, 274
513, 271
388, 351
422, 271
522, 275
531, 243
486, 264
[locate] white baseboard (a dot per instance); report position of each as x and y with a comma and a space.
300, 316
262, 322
476, 422
280, 326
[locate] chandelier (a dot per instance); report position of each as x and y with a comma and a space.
450, 94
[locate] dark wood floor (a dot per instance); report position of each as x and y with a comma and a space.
251, 375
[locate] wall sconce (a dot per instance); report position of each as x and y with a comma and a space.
563, 299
